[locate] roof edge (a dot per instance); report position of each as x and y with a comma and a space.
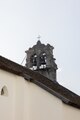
62, 98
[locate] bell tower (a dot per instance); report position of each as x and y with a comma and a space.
40, 58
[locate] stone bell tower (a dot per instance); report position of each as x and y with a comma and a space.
40, 58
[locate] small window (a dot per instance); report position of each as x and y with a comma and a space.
4, 91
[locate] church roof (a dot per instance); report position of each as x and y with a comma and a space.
52, 87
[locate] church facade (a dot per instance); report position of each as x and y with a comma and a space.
26, 94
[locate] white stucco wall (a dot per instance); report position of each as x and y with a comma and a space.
7, 103
44, 106
27, 101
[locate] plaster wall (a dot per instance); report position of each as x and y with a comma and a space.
7, 103
44, 106
27, 101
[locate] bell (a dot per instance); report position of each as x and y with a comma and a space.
34, 62
42, 60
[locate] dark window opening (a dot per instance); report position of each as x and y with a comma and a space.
43, 59
4, 91
34, 60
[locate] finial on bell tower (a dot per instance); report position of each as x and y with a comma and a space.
38, 37
38, 42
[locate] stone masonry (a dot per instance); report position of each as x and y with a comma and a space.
40, 58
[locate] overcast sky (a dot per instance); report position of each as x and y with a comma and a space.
58, 23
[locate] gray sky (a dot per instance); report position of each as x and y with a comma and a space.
58, 23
